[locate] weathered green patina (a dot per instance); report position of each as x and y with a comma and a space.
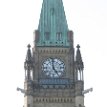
53, 28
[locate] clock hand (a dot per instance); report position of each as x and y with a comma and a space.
53, 64
54, 67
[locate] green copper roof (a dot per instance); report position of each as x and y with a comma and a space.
53, 28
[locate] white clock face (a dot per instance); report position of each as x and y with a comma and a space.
53, 67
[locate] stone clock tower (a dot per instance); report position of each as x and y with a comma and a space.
53, 73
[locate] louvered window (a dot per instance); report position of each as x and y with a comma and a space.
59, 36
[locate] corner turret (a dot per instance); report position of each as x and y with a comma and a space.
79, 82
79, 65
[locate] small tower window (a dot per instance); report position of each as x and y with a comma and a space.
47, 35
59, 36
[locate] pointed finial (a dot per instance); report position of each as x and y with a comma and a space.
78, 54
78, 46
29, 56
28, 60
28, 64
79, 61
28, 46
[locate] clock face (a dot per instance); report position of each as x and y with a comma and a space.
53, 67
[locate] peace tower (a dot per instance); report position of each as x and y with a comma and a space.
53, 72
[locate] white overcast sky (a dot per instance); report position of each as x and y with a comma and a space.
18, 20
